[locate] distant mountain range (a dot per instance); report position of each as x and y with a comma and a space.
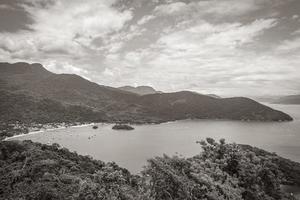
289, 99
35, 84
140, 90
214, 96
144, 90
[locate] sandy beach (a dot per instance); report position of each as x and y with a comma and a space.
46, 129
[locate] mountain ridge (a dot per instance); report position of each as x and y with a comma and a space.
123, 106
140, 90
290, 99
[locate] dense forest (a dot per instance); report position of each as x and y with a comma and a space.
220, 171
22, 110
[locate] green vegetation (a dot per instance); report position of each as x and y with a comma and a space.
221, 171
23, 108
19, 111
36, 172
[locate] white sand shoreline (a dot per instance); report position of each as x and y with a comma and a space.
74, 126
45, 129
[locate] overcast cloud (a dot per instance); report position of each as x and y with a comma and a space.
228, 47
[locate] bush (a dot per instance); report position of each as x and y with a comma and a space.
221, 171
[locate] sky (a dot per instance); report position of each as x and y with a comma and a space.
225, 47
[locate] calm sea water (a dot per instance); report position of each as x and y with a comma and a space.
131, 149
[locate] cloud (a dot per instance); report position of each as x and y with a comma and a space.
296, 32
6, 7
212, 57
171, 8
228, 7
237, 34
290, 46
215, 8
63, 31
65, 67
115, 42
205, 36
212, 46
145, 19
65, 26
77, 20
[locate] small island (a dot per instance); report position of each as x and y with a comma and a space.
95, 127
122, 127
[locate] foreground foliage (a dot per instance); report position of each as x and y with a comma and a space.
222, 171
36, 171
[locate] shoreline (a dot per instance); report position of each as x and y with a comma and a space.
46, 129
135, 124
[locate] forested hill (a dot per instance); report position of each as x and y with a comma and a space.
222, 171
118, 105
18, 112
140, 90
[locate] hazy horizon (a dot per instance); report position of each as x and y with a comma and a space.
228, 48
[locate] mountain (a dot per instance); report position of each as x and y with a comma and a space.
265, 98
68, 89
35, 81
292, 99
213, 95
185, 104
289, 99
140, 90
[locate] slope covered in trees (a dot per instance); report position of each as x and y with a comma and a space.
221, 171
118, 105
18, 108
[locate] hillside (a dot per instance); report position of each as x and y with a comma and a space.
185, 104
140, 90
214, 95
221, 171
118, 105
67, 88
26, 110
